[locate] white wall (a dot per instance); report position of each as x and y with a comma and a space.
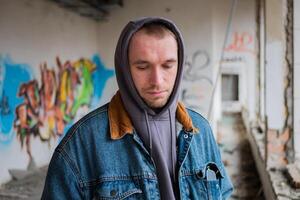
275, 51
194, 20
239, 56
296, 78
33, 32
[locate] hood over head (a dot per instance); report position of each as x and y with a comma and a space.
124, 79
156, 128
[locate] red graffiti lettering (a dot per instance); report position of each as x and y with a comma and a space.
241, 42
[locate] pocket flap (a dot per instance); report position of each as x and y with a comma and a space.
117, 190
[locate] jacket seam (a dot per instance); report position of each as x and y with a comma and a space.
77, 125
92, 183
71, 164
68, 163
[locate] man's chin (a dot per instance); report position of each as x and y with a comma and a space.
156, 104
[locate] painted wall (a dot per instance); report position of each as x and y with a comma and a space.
44, 43
51, 73
275, 48
65, 64
239, 55
296, 78
196, 29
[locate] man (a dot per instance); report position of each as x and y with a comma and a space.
143, 144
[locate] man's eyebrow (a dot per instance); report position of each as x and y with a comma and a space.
171, 60
139, 62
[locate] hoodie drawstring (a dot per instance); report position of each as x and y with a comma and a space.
148, 131
173, 142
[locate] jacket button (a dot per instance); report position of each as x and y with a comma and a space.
113, 193
199, 175
185, 136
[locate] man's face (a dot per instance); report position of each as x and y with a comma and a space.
153, 65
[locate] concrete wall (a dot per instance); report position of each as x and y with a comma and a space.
275, 52
239, 56
296, 78
196, 27
36, 32
204, 30
33, 33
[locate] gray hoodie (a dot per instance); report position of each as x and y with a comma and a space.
156, 129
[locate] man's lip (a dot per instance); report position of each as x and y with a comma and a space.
156, 92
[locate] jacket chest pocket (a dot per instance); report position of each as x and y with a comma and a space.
213, 190
117, 190
198, 186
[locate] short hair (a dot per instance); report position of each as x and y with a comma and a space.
157, 29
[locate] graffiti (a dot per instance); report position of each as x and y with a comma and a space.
241, 42
4, 106
233, 59
9, 86
195, 80
194, 67
48, 107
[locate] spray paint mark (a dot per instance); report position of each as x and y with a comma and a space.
195, 81
195, 66
48, 109
9, 85
241, 43
99, 77
4, 106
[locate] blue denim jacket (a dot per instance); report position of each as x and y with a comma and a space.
89, 164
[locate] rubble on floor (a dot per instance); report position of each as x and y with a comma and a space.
29, 187
238, 160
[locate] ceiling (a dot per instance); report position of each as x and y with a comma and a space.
95, 9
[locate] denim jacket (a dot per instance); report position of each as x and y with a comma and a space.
102, 157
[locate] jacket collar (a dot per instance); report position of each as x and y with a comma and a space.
120, 123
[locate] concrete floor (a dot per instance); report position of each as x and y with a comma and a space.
27, 188
238, 160
236, 155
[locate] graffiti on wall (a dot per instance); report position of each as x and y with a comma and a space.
4, 106
11, 77
196, 81
47, 106
242, 42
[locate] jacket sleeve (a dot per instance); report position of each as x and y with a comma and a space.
61, 182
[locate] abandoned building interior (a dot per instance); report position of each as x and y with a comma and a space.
242, 69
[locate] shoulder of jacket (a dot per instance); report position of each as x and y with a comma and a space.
197, 118
85, 120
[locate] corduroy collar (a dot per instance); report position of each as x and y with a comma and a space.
120, 123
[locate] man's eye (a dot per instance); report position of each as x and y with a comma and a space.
168, 66
141, 67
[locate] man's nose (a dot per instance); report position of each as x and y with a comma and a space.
156, 76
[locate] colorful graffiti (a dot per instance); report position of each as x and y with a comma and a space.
4, 106
241, 42
11, 77
49, 106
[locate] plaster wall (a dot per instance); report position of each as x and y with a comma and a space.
33, 33
275, 48
296, 78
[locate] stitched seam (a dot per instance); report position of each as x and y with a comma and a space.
77, 125
118, 178
72, 165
